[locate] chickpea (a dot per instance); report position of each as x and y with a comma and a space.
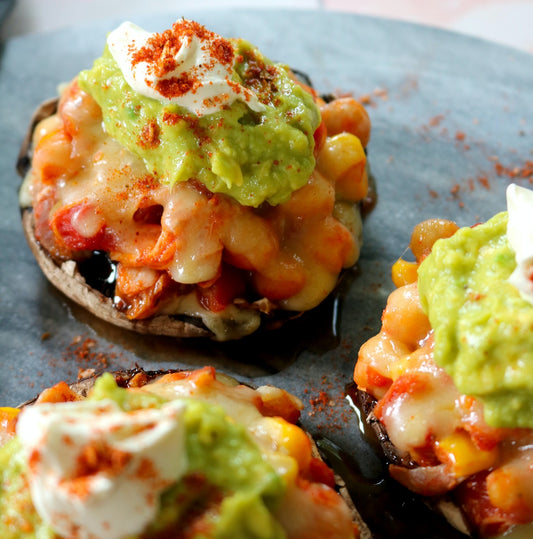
426, 233
404, 319
347, 115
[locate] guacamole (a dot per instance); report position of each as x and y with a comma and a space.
483, 328
252, 156
223, 463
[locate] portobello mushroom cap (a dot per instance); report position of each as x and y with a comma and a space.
441, 503
142, 377
67, 277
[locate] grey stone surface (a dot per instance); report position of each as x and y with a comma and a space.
443, 107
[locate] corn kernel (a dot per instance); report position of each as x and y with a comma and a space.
7, 412
8, 422
285, 466
339, 154
465, 458
290, 440
8, 417
404, 272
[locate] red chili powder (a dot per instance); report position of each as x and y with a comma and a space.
161, 49
436, 120
524, 171
84, 356
149, 136
177, 86
329, 405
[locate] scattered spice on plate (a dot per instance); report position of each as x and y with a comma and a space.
369, 99
524, 171
327, 398
83, 356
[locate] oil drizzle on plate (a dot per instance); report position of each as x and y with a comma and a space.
390, 510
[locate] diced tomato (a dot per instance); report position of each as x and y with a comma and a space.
68, 222
219, 294
409, 383
375, 379
319, 472
320, 135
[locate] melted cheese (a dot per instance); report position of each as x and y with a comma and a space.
86, 457
424, 414
320, 510
98, 196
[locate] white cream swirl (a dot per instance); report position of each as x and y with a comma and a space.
520, 236
95, 471
186, 65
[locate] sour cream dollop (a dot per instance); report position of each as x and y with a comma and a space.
520, 236
96, 471
186, 65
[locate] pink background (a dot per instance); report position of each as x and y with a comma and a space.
507, 22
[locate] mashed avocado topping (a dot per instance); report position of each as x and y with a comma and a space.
225, 471
483, 328
252, 155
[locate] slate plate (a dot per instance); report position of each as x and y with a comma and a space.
452, 124
5, 8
